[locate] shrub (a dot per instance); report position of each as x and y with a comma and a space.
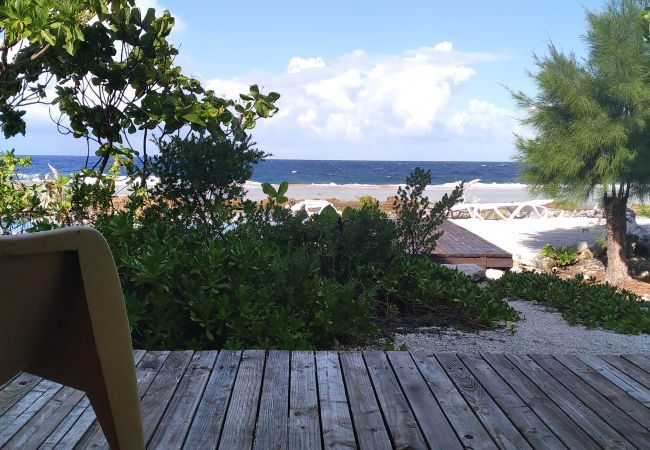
279, 281
417, 220
184, 290
644, 210
593, 305
564, 256
202, 177
18, 201
367, 200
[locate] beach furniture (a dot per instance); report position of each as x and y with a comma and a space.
64, 319
311, 206
505, 210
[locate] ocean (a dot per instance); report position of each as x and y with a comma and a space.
330, 172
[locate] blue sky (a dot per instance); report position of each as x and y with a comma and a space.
408, 80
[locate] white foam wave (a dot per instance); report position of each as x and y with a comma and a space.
451, 185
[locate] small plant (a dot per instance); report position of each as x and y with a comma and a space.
644, 210
564, 256
389, 346
276, 197
417, 220
367, 200
601, 243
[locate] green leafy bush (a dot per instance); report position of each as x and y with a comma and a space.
593, 305
18, 201
564, 256
417, 219
202, 178
644, 210
279, 281
367, 200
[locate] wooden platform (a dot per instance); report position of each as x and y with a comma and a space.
460, 246
370, 400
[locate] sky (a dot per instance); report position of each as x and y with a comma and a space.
376, 80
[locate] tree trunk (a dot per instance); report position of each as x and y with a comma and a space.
615, 209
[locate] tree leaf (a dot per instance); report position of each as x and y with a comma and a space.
282, 189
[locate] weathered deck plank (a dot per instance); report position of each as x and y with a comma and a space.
581, 414
304, 426
460, 415
458, 245
205, 431
559, 422
610, 390
527, 422
334, 411
615, 417
642, 361
433, 423
403, 427
272, 422
368, 422
178, 417
285, 400
239, 426
494, 420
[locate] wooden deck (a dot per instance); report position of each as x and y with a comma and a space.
370, 400
460, 246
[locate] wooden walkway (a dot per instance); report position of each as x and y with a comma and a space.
371, 400
460, 246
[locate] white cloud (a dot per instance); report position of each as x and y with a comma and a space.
298, 64
363, 106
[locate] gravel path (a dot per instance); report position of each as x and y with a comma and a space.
539, 331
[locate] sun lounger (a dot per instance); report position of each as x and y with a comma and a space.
505, 210
311, 206
63, 318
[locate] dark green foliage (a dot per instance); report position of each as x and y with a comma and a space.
276, 196
644, 210
593, 305
564, 256
590, 121
424, 289
417, 220
17, 200
201, 177
289, 282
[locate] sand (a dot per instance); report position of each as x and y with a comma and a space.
524, 238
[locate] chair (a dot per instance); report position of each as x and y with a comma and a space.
63, 318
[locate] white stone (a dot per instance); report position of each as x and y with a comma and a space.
473, 271
493, 274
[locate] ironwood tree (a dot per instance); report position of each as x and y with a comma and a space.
590, 122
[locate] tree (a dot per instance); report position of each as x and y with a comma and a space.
34, 33
590, 123
115, 76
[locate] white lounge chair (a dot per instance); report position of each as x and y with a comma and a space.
311, 206
509, 210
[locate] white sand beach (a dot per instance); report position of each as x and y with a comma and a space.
524, 238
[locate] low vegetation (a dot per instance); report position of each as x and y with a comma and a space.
592, 305
563, 256
644, 210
